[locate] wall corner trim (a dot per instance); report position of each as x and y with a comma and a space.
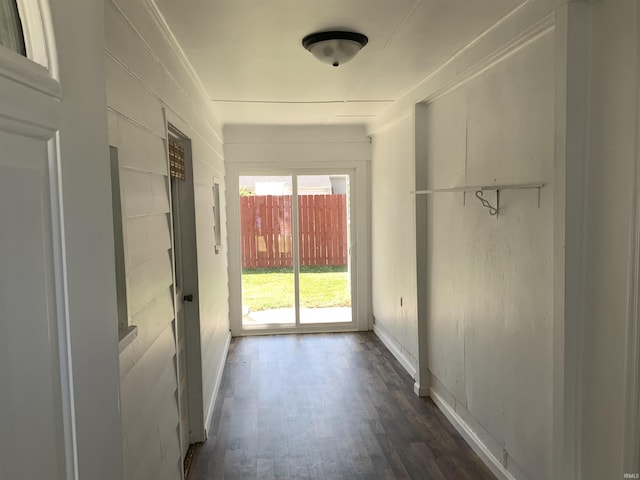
421, 391
632, 361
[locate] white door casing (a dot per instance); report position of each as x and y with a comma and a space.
358, 207
179, 294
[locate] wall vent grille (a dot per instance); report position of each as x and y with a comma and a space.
176, 160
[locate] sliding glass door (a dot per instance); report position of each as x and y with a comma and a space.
295, 233
323, 249
266, 235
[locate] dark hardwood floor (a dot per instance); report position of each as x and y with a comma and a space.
334, 406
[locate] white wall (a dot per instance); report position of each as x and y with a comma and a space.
489, 315
393, 241
530, 314
490, 279
146, 74
487, 333
613, 132
271, 145
260, 149
58, 337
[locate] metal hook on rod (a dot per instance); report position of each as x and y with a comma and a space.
485, 203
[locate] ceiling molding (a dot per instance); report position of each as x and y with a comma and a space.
166, 31
311, 102
522, 25
546, 25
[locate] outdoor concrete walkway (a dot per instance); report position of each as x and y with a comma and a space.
286, 316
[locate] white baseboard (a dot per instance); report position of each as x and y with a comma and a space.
214, 395
471, 438
390, 343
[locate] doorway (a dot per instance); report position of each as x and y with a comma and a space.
295, 236
185, 286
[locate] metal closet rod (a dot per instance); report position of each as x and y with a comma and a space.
479, 188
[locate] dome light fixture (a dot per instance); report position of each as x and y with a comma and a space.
334, 47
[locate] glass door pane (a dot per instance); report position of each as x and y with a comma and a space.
266, 232
323, 248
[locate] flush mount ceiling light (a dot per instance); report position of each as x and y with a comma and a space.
336, 47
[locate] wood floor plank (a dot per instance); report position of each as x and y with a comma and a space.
326, 406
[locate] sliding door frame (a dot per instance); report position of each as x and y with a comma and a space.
358, 205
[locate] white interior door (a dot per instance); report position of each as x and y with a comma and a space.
324, 249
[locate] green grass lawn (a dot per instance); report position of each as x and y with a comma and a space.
266, 289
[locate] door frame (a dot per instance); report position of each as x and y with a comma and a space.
295, 225
190, 310
359, 242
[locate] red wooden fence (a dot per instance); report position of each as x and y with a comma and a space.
267, 230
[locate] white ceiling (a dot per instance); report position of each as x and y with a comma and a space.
249, 56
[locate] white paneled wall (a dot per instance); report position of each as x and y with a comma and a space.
393, 241
489, 317
147, 83
490, 347
212, 274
